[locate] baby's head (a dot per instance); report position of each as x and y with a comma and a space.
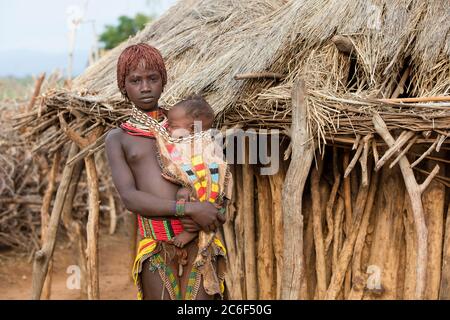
190, 115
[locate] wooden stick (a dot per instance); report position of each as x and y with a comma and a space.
259, 75
318, 236
239, 231
265, 257
354, 160
444, 180
37, 89
418, 99
93, 201
337, 278
301, 159
415, 192
427, 181
401, 84
351, 141
399, 143
444, 291
25, 115
411, 251
308, 284
112, 210
232, 276
356, 143
347, 197
90, 149
437, 159
42, 126
74, 227
276, 188
363, 160
426, 153
21, 200
92, 229
375, 151
441, 140
43, 256
434, 205
249, 230
359, 280
403, 152
46, 291
331, 201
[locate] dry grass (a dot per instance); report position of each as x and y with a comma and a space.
205, 43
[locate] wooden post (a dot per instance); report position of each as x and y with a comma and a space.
347, 196
301, 159
93, 203
409, 287
337, 279
433, 205
46, 291
318, 235
249, 228
388, 229
415, 193
74, 228
444, 293
265, 256
359, 279
276, 188
112, 210
232, 276
309, 280
43, 256
92, 229
239, 231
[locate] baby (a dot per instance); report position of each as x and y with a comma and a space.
206, 175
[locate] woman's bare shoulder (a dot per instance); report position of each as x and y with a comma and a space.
114, 136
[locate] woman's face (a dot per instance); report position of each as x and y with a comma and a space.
143, 87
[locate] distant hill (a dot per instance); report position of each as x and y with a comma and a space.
22, 63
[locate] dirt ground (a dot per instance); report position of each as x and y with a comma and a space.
115, 271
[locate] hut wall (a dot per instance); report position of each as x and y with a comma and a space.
382, 254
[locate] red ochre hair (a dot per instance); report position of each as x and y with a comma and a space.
133, 55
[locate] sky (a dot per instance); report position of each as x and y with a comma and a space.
34, 34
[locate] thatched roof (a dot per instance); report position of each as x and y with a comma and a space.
206, 43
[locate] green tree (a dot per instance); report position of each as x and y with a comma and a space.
114, 35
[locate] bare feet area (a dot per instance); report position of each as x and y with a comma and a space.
184, 238
115, 272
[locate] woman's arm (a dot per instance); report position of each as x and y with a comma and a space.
146, 204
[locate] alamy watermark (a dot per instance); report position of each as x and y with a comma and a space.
263, 147
73, 281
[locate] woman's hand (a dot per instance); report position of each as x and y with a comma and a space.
190, 225
205, 214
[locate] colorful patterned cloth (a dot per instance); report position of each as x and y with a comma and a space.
156, 232
199, 166
156, 251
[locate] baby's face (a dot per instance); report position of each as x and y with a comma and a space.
180, 125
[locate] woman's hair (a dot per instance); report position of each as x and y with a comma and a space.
136, 54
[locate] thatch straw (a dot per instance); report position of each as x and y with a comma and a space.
206, 43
